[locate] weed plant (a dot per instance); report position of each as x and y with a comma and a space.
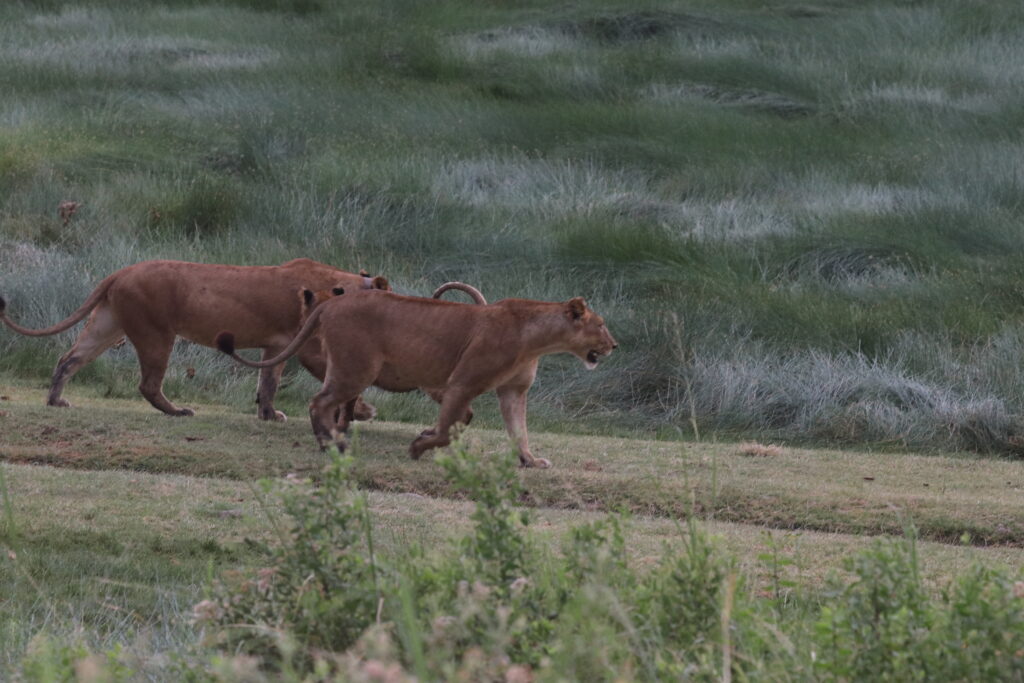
497, 605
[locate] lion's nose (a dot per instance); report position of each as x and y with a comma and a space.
615, 345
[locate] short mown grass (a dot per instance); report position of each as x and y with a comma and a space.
953, 498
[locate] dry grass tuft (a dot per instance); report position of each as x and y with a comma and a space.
760, 450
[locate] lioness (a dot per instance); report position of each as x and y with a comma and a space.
399, 343
315, 361
154, 302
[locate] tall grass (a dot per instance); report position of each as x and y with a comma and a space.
804, 187
497, 604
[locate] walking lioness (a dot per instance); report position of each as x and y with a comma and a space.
400, 343
153, 302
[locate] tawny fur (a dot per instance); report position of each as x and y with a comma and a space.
401, 343
315, 361
153, 302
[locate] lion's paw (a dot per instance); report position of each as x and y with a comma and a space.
539, 463
363, 411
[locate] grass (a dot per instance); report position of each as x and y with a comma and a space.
801, 222
949, 498
183, 524
119, 555
822, 183
113, 559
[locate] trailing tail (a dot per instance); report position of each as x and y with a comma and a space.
92, 302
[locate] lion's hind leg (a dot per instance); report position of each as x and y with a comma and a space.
270, 379
100, 333
154, 352
330, 412
438, 395
454, 408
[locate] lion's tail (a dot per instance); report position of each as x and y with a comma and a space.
94, 299
462, 286
226, 343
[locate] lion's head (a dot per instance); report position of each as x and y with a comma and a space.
590, 341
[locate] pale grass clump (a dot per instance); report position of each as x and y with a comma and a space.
552, 188
566, 188
116, 53
916, 94
732, 220
528, 41
824, 195
74, 19
41, 285
218, 61
845, 397
575, 77
990, 61
751, 98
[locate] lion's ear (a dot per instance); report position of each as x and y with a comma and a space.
363, 273
308, 296
576, 307
338, 291
381, 282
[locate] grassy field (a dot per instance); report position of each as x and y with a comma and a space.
800, 220
114, 542
834, 491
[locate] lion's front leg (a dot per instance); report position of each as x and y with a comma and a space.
512, 400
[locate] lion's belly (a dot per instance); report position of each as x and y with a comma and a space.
392, 378
202, 318
249, 330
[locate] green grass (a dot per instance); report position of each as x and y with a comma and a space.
117, 558
949, 498
733, 163
114, 543
801, 222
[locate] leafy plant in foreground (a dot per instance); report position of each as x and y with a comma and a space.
320, 583
498, 605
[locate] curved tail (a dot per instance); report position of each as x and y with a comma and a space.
226, 343
76, 317
462, 286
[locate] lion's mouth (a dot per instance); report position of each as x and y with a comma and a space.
593, 356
